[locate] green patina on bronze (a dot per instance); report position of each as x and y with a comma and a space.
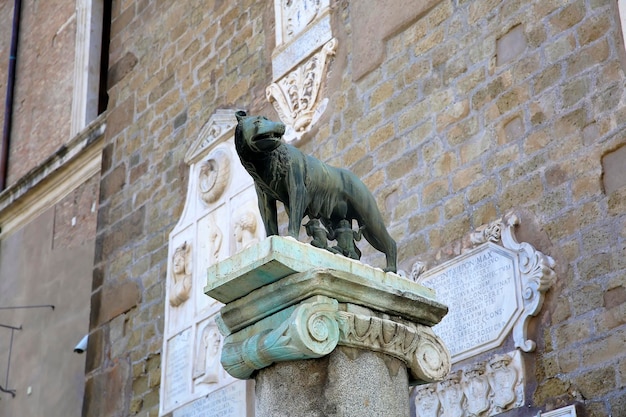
309, 187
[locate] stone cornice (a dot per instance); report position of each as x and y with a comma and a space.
52, 180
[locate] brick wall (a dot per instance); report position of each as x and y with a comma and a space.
477, 108
43, 86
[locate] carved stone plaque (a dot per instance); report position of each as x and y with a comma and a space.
229, 401
482, 290
178, 364
492, 289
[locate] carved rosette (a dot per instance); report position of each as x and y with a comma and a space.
317, 326
213, 177
296, 95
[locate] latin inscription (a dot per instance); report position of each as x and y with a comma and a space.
178, 373
229, 401
481, 290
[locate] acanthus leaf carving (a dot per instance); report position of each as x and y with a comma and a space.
416, 345
295, 96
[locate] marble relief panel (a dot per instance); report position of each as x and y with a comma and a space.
246, 226
220, 217
213, 246
177, 368
180, 280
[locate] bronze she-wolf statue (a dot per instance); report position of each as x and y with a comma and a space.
306, 187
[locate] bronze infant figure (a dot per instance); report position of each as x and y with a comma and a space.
306, 186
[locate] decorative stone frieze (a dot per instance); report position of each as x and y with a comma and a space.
414, 344
477, 390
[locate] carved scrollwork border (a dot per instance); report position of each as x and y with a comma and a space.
536, 268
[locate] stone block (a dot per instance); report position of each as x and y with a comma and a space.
511, 45
585, 58
376, 22
452, 114
118, 299
615, 297
481, 9
434, 192
596, 382
119, 118
547, 78
572, 333
122, 232
614, 170
567, 17
593, 28
121, 68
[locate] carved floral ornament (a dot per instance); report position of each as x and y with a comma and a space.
296, 95
317, 326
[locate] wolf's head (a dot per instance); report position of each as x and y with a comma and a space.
257, 133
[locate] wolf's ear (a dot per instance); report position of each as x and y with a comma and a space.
240, 115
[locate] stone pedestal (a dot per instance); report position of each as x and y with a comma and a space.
322, 334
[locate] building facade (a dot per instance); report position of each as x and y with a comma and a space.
454, 113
